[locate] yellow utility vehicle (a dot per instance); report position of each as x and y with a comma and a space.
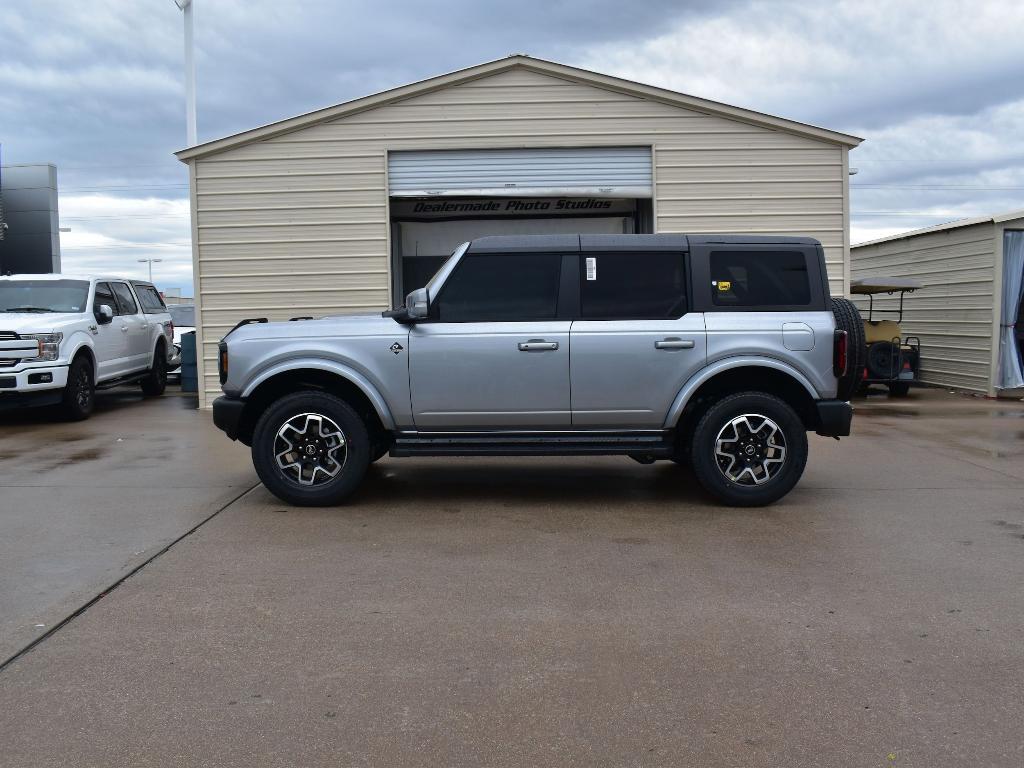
891, 358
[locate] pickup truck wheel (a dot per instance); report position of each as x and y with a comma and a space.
79, 391
749, 449
156, 380
311, 449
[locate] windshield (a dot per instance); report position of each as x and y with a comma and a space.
43, 295
183, 315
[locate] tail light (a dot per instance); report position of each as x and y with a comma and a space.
840, 361
169, 330
222, 361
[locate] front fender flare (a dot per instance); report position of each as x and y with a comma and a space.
380, 405
726, 364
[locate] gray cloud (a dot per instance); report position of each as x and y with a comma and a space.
936, 88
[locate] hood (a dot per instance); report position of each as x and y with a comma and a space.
38, 322
337, 325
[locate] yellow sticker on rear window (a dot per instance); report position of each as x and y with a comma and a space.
724, 285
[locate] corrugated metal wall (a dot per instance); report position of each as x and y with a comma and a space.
953, 313
297, 224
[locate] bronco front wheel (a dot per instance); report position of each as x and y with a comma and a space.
311, 449
749, 449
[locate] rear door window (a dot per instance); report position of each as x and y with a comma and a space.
501, 288
125, 300
640, 286
759, 279
150, 299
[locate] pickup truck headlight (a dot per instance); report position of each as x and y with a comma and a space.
49, 346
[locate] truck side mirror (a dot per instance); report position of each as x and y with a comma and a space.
104, 314
417, 304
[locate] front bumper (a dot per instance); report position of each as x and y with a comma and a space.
833, 418
227, 415
32, 378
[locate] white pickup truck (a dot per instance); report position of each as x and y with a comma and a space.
63, 337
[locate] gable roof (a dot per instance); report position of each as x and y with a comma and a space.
528, 63
996, 218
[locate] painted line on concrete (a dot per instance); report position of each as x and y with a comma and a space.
68, 619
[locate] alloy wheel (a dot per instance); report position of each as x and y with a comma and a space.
750, 449
310, 449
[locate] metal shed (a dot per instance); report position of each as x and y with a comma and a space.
348, 208
968, 314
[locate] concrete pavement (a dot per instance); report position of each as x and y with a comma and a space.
82, 504
572, 612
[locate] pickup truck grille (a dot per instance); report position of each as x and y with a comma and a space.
8, 336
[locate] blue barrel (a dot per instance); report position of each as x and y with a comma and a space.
189, 371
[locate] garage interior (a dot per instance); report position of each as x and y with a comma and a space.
441, 198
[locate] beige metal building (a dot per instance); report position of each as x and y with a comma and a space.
964, 314
348, 208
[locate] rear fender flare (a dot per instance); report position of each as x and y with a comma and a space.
727, 364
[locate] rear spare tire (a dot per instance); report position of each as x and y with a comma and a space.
848, 319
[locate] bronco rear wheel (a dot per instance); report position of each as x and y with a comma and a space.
749, 449
311, 449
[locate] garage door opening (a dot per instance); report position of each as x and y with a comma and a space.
439, 199
425, 232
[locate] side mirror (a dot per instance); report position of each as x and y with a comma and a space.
104, 314
417, 304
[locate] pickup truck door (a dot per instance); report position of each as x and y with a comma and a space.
637, 343
135, 327
110, 345
495, 353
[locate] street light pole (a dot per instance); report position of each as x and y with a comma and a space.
190, 72
150, 262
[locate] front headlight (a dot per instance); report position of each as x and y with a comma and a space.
49, 346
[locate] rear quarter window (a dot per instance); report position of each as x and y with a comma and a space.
759, 279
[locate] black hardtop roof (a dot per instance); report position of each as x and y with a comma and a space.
526, 243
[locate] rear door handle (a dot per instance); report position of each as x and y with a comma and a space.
538, 345
124, 329
673, 343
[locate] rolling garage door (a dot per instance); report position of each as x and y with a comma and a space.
590, 171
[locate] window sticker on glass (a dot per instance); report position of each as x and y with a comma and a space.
724, 285
591, 268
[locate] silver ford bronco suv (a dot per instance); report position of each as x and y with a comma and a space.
716, 352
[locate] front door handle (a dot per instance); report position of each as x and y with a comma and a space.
673, 343
538, 345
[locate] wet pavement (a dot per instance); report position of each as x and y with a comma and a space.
558, 612
82, 504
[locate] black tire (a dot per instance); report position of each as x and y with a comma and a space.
286, 483
899, 389
883, 360
79, 397
848, 319
156, 379
743, 490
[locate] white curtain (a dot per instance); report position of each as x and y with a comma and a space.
1011, 376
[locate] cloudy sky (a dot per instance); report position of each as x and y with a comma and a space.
935, 87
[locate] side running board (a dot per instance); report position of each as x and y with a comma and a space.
641, 444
